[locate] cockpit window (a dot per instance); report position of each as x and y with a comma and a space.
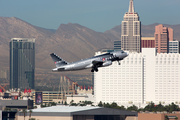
122, 52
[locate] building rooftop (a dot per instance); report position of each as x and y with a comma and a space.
64, 109
23, 39
147, 38
77, 110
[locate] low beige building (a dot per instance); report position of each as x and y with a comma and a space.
76, 98
159, 116
77, 113
52, 96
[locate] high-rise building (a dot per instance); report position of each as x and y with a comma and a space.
140, 79
147, 42
117, 45
162, 37
131, 31
22, 62
123, 83
174, 46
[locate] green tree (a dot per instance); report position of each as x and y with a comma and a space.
172, 107
132, 108
100, 104
53, 104
140, 109
82, 104
122, 107
74, 104
159, 107
114, 105
71, 102
43, 105
150, 107
88, 102
107, 105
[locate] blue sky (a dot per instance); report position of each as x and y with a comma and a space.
99, 15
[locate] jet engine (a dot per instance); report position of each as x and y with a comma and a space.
107, 63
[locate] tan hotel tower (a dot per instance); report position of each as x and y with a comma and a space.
162, 37
131, 30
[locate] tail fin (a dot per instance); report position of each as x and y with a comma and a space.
57, 60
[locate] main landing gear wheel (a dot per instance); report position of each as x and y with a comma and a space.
96, 70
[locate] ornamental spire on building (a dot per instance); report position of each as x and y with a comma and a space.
131, 7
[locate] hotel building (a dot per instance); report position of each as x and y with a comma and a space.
22, 63
140, 79
131, 31
162, 37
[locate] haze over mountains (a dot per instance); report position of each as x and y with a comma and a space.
70, 41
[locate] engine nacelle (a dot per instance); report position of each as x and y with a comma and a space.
107, 63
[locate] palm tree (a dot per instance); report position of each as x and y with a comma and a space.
24, 111
30, 111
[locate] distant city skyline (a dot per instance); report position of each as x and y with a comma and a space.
98, 15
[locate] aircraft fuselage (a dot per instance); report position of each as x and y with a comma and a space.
93, 62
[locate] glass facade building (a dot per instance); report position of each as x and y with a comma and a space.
117, 45
174, 46
22, 63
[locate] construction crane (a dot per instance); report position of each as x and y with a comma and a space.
73, 85
69, 79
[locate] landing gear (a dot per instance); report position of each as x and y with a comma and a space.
94, 69
119, 63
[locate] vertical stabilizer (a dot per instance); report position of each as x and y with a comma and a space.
57, 60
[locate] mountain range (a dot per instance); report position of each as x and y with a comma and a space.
70, 41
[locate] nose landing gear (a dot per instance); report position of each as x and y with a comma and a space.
119, 63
